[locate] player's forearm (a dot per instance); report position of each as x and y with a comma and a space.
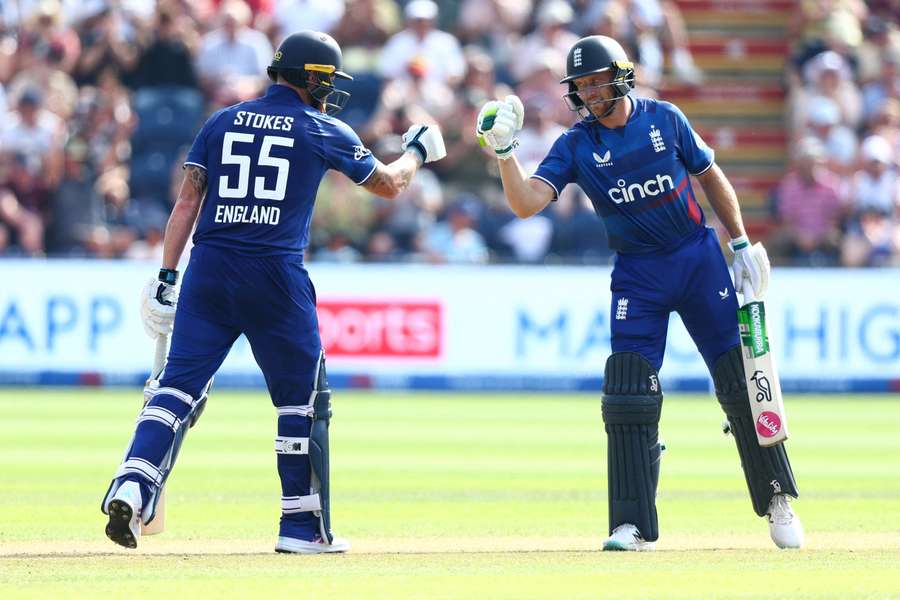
520, 195
178, 230
389, 181
723, 199
184, 215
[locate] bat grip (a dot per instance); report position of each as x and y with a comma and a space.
747, 292
159, 355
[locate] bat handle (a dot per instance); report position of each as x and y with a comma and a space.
747, 291
159, 355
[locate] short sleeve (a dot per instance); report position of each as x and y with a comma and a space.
345, 152
697, 156
197, 155
558, 167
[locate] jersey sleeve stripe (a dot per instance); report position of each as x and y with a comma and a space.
363, 180
187, 162
702, 171
548, 182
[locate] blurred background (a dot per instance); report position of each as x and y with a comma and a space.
799, 98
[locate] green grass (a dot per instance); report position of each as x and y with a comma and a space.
446, 496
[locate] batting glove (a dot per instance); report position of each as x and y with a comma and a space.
158, 300
750, 266
498, 122
426, 140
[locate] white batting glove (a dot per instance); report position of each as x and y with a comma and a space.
750, 266
498, 122
158, 300
426, 140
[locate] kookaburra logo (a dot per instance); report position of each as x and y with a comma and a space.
635, 191
763, 391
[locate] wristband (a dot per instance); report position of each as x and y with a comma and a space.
168, 276
739, 243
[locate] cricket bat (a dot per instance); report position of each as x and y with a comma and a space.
763, 385
158, 524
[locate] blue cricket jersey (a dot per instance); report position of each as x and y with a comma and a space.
264, 160
636, 176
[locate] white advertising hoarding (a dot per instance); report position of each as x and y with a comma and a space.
442, 326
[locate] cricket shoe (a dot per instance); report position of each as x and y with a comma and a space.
317, 546
784, 526
124, 510
626, 537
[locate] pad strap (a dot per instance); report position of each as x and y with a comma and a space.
298, 504
161, 415
139, 466
297, 411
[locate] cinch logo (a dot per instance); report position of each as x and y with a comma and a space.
651, 187
388, 329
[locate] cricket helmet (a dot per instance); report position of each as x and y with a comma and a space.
312, 60
597, 54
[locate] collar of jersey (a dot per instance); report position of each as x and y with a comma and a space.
282, 93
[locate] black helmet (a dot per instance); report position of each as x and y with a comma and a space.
596, 54
311, 60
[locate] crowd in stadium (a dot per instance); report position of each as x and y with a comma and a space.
103, 97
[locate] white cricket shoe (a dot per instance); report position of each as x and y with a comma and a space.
124, 510
627, 537
317, 546
784, 526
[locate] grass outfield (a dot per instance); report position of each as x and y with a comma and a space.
446, 496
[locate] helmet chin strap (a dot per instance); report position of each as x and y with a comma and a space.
610, 108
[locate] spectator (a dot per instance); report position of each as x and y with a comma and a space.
77, 214
828, 76
295, 15
364, 29
876, 187
436, 52
103, 44
872, 241
25, 202
541, 88
810, 207
877, 92
539, 131
882, 40
887, 123
232, 60
552, 36
824, 123
45, 72
456, 240
658, 24
166, 60
35, 135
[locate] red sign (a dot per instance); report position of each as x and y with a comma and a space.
395, 329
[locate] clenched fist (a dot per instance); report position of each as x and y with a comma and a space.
498, 122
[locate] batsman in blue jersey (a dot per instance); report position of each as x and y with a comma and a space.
250, 182
634, 159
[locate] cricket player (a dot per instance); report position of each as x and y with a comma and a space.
250, 183
634, 157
